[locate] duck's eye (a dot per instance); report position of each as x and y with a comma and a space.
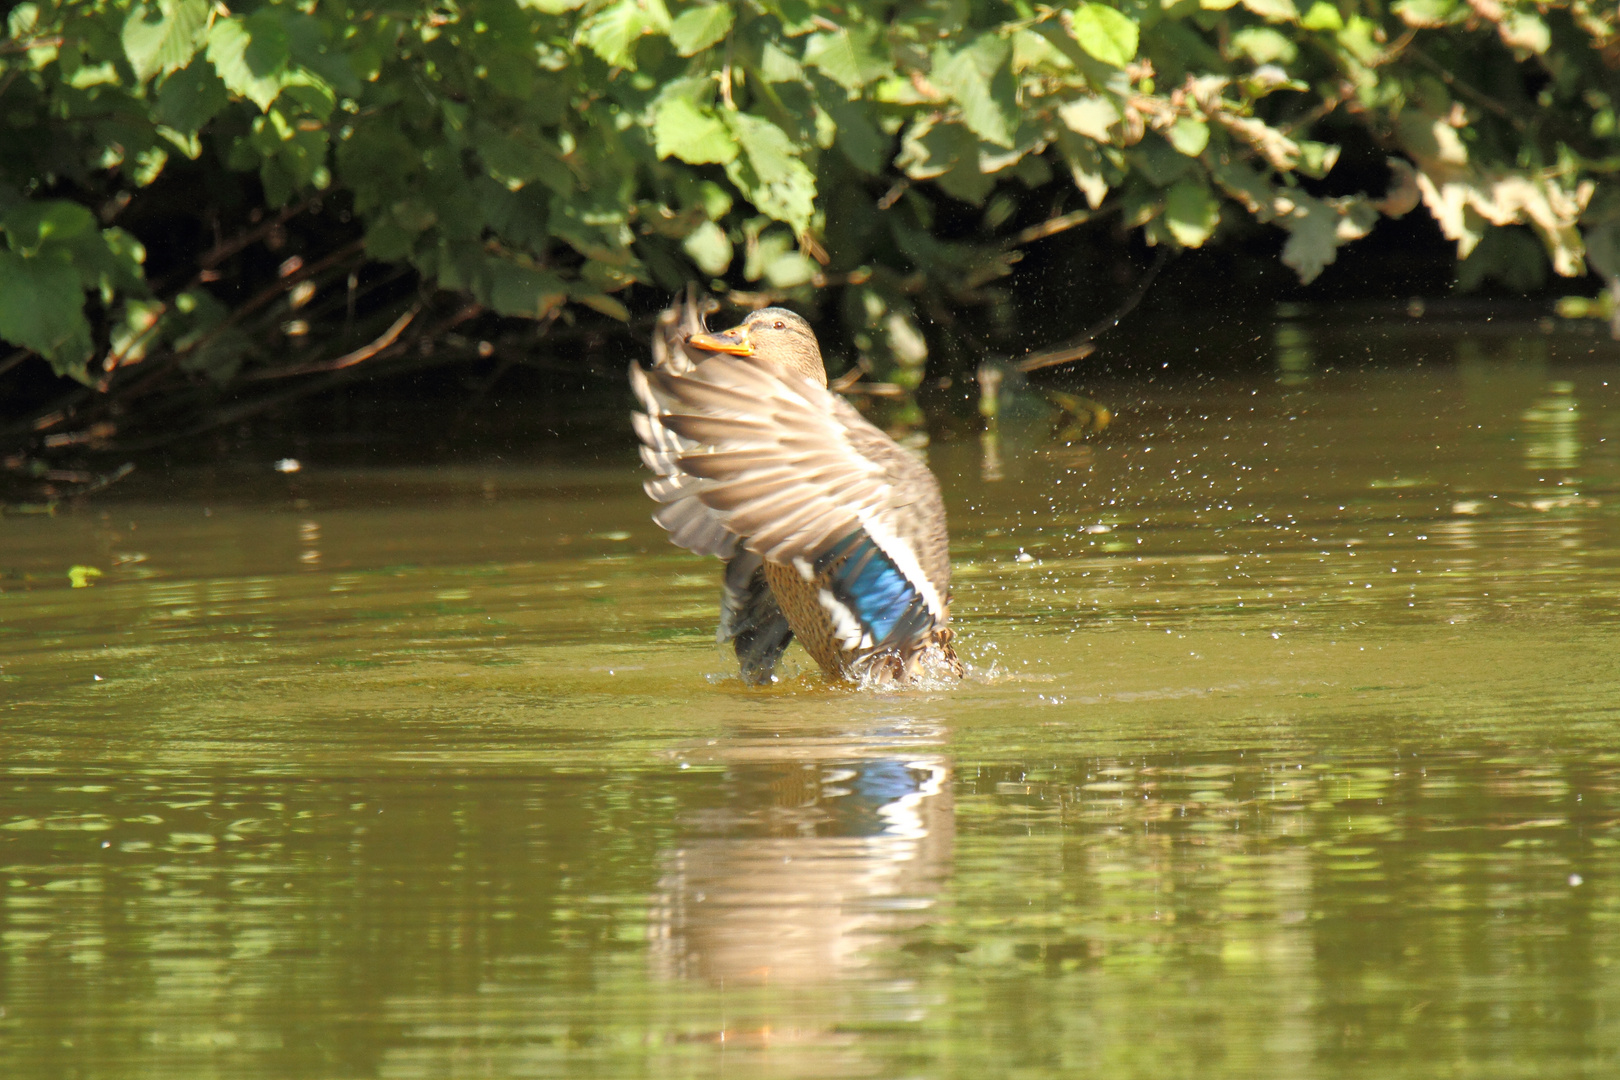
779, 325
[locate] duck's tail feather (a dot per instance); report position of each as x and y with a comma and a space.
751, 619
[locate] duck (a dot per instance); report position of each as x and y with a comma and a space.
831, 532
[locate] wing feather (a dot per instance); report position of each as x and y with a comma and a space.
690, 523
791, 467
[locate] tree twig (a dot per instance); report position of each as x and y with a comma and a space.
349, 359
1050, 227
1478, 97
1081, 347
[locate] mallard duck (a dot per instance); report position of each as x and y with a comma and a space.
830, 531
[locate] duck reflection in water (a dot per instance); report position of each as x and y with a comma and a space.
813, 852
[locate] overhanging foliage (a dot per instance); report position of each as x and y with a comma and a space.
542, 155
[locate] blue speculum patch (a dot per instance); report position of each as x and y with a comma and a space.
868, 581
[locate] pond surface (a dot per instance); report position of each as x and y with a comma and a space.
1289, 750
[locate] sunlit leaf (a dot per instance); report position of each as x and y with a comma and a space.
1423, 13
1105, 33
1092, 116
709, 247
847, 56
1526, 30
1033, 52
1324, 16
1189, 136
694, 135
1191, 212
776, 66
1317, 159
978, 80
769, 172
613, 31
695, 29
1274, 10
232, 51
1263, 45
163, 36
610, 306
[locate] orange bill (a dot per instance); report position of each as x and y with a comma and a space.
734, 341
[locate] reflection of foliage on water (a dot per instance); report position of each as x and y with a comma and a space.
319, 193
1242, 911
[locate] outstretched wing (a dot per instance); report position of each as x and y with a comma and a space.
690, 524
749, 615
803, 479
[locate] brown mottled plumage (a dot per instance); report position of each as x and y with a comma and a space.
832, 532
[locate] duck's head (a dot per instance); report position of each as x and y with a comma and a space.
774, 334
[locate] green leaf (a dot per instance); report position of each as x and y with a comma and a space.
1324, 16
31, 224
771, 174
240, 61
1086, 168
978, 79
848, 57
1191, 212
1263, 45
1156, 160
777, 66
1421, 13
1091, 116
1105, 33
1313, 240
1274, 10
790, 270
218, 354
190, 98
163, 37
1317, 159
1032, 52
22, 21
269, 46
607, 305
695, 135
1603, 248
859, 136
1509, 255
551, 7
108, 260
519, 157
1526, 30
520, 291
613, 31
698, 28
948, 154
42, 308
1189, 136
709, 247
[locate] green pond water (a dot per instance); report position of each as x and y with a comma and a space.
1291, 748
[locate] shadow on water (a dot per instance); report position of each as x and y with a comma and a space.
1288, 750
